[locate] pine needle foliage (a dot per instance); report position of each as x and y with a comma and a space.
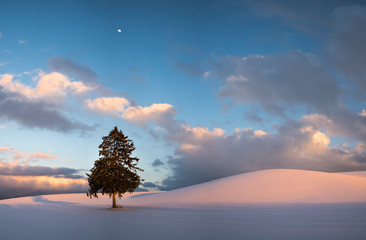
115, 172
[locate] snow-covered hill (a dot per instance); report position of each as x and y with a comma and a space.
267, 186
270, 204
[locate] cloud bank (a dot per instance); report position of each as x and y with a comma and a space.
205, 155
18, 178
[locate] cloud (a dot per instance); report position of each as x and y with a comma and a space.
157, 163
345, 47
67, 66
37, 107
52, 87
282, 84
18, 178
149, 184
205, 155
160, 113
21, 42
187, 135
362, 113
15, 155
35, 114
111, 105
20, 186
277, 82
16, 169
305, 16
141, 190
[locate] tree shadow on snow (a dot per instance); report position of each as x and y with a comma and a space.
45, 200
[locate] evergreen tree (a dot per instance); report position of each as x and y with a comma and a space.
115, 172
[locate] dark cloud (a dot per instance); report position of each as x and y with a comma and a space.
141, 190
346, 47
157, 163
277, 82
252, 115
35, 114
311, 16
149, 184
67, 66
26, 170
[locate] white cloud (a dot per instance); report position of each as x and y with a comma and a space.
158, 112
112, 105
198, 134
21, 42
318, 138
52, 86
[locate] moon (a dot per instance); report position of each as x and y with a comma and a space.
119, 30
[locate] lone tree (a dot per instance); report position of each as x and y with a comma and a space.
115, 172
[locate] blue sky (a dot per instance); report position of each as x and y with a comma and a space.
205, 89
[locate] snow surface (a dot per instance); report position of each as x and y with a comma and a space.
269, 204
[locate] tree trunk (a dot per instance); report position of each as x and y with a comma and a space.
114, 201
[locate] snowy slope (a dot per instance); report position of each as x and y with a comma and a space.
267, 186
228, 208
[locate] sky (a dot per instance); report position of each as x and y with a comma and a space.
205, 89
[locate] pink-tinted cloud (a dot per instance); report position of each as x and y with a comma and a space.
19, 178
52, 86
11, 154
18, 186
108, 105
158, 112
